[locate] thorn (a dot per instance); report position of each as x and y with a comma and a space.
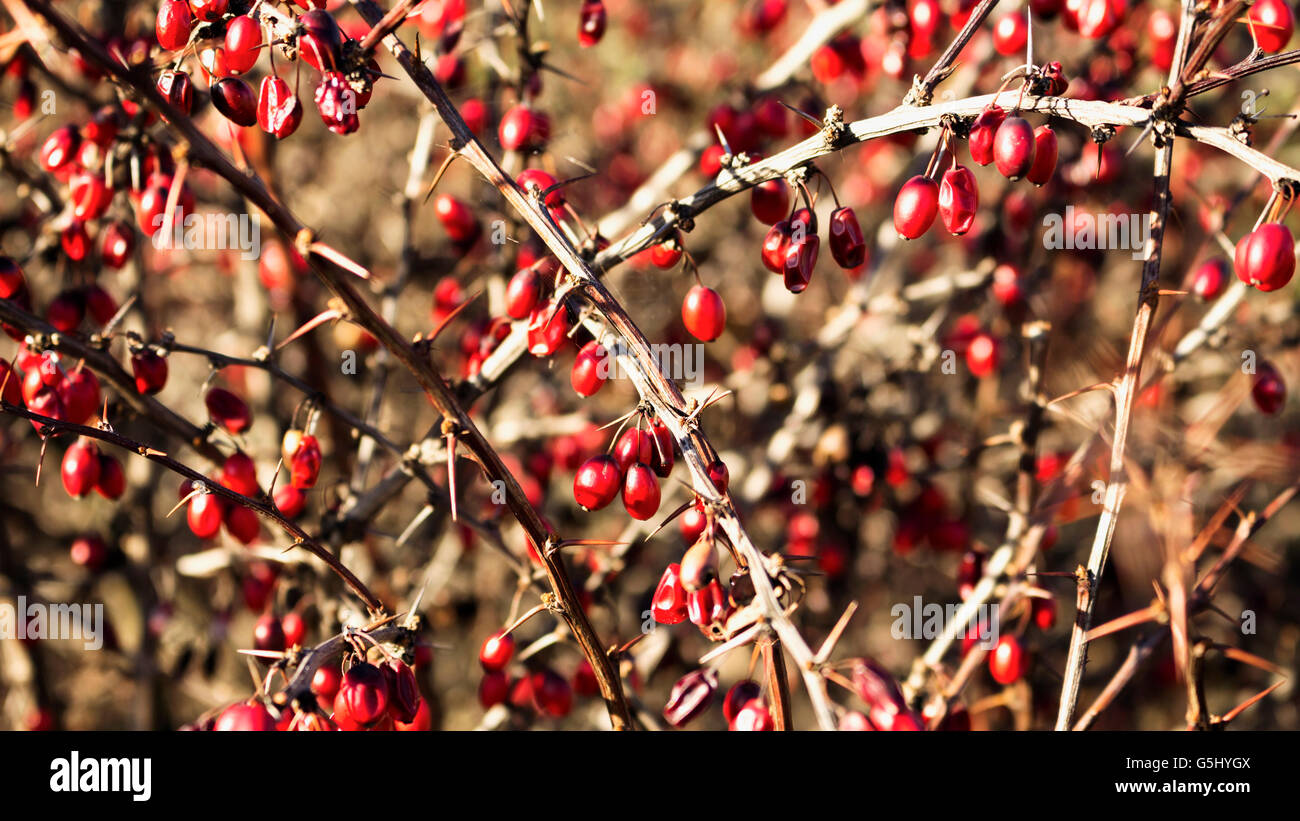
323, 250
329, 315
449, 317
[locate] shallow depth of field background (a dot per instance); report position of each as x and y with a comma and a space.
800, 411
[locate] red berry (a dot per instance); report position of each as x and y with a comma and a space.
543, 181
1097, 18
279, 111
754, 716
337, 103
1013, 147
245, 717
1010, 33
239, 474
496, 651
1268, 390
1265, 257
590, 369
800, 260
1007, 662
204, 515
665, 255
210, 9
982, 132
305, 463
80, 470
268, 634
228, 410
661, 457
959, 198
522, 292
591, 23
150, 371
597, 482
11, 278
174, 24
703, 313
75, 241
1006, 285
1045, 149
112, 479
523, 128
89, 551
290, 500
740, 694
325, 682
770, 201
363, 695
90, 196
775, 245
320, 42
493, 690
241, 522
243, 44
456, 218
915, 207
403, 693
848, 247
669, 603
693, 522
1272, 23
690, 697
294, 628
982, 355
640, 492
235, 100
633, 446
177, 88
719, 475
60, 147
1210, 279
548, 328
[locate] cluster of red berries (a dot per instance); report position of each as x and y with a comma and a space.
639, 459
744, 706
541, 690
1009, 142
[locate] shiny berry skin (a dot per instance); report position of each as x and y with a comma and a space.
1265, 257
690, 697
243, 44
915, 207
597, 482
770, 201
633, 446
210, 9
75, 241
703, 313
239, 474
740, 694
304, 465
853, 721
456, 218
640, 492
235, 100
204, 515
669, 603
174, 24
279, 111
1006, 286
320, 42
1098, 18
89, 551
496, 651
848, 247
1010, 33
1045, 151
661, 456
1007, 662
551, 693
403, 693
80, 470
241, 523
536, 176
1013, 148
178, 89
294, 628
754, 716
290, 500
591, 23
1210, 279
590, 369
548, 328
60, 147
246, 718
336, 102
80, 395
325, 682
268, 634
719, 475
228, 410
982, 132
775, 245
90, 196
1267, 389
523, 129
982, 355
66, 312
665, 255
692, 525
522, 293
959, 199
800, 260
116, 243
1272, 23
112, 479
363, 695
150, 371
493, 690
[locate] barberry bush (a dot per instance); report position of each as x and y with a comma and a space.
904, 365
